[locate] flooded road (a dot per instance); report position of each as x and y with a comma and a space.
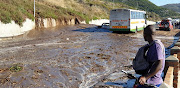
69, 57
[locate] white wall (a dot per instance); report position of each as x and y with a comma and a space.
12, 29
151, 22
99, 21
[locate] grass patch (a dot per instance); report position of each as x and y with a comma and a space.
95, 18
16, 10
5, 16
80, 14
16, 68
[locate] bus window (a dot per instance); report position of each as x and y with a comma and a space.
133, 15
138, 15
141, 16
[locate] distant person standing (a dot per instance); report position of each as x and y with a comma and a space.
156, 58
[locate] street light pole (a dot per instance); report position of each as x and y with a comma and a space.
137, 4
113, 4
34, 9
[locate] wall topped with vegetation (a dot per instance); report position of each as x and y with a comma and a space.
13, 29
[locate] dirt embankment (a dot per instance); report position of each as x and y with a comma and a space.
50, 22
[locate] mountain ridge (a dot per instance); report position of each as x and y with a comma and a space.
174, 7
150, 7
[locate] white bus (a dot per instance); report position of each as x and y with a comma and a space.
127, 20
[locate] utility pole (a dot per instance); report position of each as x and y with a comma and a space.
137, 5
34, 9
113, 4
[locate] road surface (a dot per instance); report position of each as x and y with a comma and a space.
77, 56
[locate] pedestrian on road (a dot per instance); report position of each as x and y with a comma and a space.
156, 58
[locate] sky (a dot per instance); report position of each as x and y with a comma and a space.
164, 2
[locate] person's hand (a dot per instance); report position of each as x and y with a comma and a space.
142, 80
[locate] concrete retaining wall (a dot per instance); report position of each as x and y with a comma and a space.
99, 22
13, 29
151, 22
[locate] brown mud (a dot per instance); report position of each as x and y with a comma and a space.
77, 56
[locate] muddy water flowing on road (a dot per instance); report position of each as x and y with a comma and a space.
71, 57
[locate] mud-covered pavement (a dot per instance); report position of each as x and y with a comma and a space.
78, 56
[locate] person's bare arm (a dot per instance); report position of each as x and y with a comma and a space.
154, 69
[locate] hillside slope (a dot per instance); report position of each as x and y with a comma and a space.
150, 7
174, 7
87, 10
93, 9
18, 10
15, 10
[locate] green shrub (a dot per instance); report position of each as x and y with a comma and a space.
5, 16
95, 18
16, 68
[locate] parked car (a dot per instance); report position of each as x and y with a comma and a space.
104, 25
166, 25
